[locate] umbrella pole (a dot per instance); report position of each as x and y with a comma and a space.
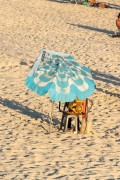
51, 117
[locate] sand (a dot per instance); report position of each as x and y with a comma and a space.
27, 151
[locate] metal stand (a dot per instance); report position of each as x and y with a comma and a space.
51, 117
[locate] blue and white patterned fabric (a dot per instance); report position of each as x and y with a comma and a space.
61, 76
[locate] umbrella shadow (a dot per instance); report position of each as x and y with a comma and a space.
109, 79
12, 104
93, 29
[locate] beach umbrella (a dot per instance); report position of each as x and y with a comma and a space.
61, 76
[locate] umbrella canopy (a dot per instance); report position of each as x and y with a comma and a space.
61, 76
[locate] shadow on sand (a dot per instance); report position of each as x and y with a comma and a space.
109, 79
115, 6
60, 1
93, 29
27, 111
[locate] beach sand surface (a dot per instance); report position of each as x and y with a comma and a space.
27, 150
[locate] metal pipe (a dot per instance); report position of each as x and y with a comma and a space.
51, 116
